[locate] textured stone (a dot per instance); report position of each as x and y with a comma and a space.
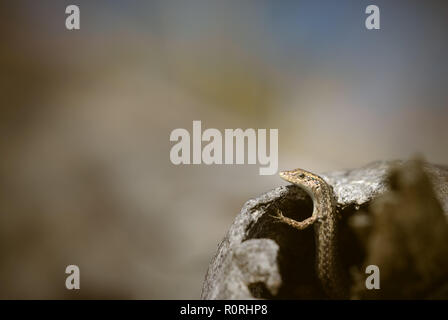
260, 258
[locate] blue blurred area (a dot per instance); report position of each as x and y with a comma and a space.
406, 57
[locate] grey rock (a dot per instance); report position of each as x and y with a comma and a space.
260, 258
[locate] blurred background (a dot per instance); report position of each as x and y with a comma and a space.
85, 174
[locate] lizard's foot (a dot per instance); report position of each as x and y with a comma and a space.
278, 215
293, 223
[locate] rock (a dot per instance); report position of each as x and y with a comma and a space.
261, 258
408, 239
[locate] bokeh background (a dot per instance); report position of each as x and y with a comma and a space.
85, 175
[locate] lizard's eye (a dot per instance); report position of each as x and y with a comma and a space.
302, 175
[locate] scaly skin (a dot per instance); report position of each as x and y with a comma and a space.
325, 221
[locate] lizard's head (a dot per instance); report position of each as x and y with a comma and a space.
305, 179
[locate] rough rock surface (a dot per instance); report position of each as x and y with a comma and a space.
260, 258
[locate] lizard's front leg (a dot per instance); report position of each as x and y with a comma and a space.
300, 225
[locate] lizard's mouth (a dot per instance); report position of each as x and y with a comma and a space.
284, 174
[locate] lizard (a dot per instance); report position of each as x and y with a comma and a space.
324, 218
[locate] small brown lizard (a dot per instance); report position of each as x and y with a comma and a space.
325, 221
